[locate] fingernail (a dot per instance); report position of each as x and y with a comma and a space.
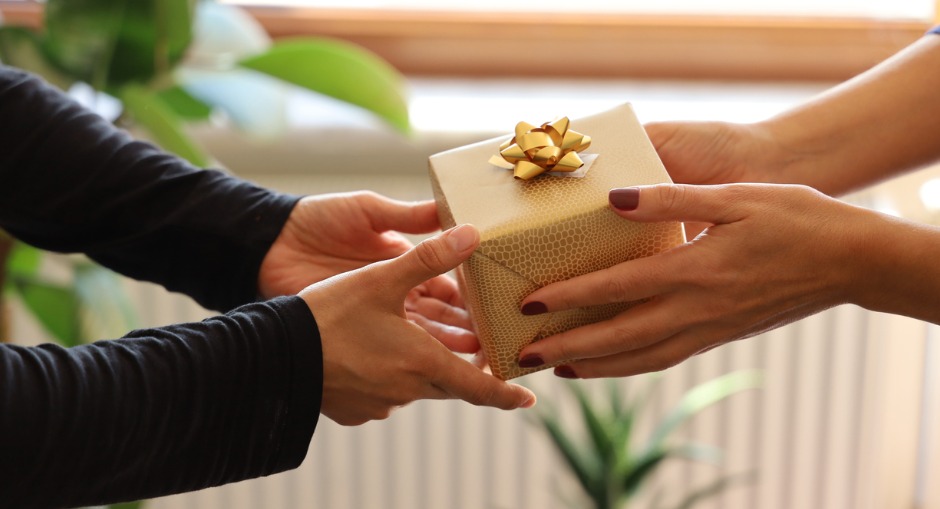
462, 237
565, 372
529, 403
532, 360
625, 198
534, 308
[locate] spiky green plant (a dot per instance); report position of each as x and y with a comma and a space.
603, 453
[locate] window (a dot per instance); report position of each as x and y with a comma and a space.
795, 40
906, 9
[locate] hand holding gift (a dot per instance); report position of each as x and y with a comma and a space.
771, 253
374, 360
546, 228
765, 261
330, 234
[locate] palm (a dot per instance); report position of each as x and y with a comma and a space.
703, 152
331, 234
706, 153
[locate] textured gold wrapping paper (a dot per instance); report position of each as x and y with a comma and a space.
548, 229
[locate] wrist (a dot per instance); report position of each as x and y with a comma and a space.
800, 152
898, 270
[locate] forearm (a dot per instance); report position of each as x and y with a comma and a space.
161, 411
895, 267
73, 182
879, 124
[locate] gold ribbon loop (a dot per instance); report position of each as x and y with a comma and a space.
536, 150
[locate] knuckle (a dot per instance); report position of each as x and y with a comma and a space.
616, 289
368, 196
806, 193
565, 350
621, 335
430, 255
672, 197
738, 193
483, 395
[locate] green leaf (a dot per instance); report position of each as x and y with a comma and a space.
23, 261
585, 467
109, 43
341, 70
641, 471
21, 47
597, 428
183, 104
646, 465
628, 415
702, 396
54, 306
161, 123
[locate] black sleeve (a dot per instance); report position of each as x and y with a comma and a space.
70, 181
160, 411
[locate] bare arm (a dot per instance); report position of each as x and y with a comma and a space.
882, 123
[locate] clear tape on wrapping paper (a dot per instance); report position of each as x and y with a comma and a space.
551, 148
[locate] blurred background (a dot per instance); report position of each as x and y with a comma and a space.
836, 411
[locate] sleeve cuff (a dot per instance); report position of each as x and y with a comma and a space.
306, 374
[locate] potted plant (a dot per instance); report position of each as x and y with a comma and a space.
603, 454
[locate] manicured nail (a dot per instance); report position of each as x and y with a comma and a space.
625, 198
534, 308
533, 360
462, 237
565, 372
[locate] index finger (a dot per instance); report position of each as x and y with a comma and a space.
629, 281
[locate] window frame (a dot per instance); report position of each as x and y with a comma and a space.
607, 46
480, 44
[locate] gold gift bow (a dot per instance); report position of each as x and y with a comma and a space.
536, 150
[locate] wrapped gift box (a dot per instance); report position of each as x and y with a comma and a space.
546, 229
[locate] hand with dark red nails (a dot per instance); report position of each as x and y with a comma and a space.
763, 255
774, 254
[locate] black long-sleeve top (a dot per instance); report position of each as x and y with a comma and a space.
163, 410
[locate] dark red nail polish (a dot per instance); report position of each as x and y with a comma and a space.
531, 361
626, 198
565, 372
534, 308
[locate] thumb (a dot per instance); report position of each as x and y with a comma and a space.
660, 132
717, 204
434, 256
